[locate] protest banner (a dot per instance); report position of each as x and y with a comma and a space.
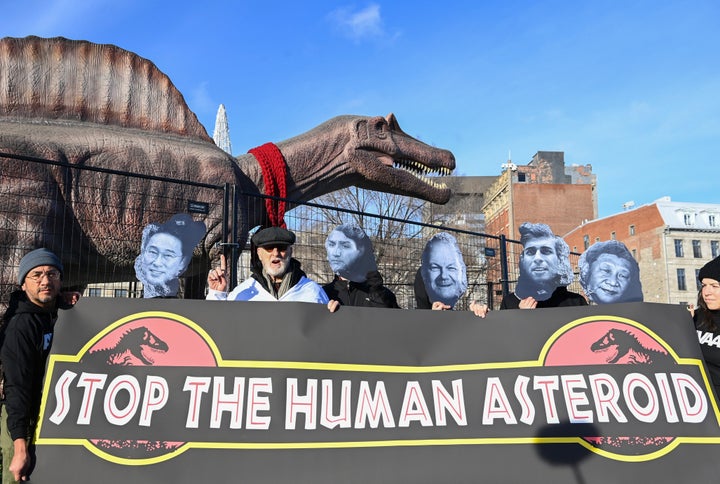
164, 390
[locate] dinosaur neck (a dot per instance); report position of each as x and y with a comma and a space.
316, 162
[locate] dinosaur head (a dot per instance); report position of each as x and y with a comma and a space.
389, 160
144, 345
614, 343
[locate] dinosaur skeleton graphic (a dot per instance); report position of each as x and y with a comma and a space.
622, 347
136, 346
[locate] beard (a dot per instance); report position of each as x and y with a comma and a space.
280, 270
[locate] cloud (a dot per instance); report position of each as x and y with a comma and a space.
51, 17
201, 101
359, 25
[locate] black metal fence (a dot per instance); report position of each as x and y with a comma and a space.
93, 219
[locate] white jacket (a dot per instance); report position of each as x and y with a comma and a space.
306, 290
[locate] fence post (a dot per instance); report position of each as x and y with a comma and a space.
235, 247
504, 275
227, 238
490, 294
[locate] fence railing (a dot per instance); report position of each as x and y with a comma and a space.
93, 219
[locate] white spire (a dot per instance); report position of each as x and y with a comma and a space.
221, 135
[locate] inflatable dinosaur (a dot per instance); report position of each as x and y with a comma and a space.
101, 106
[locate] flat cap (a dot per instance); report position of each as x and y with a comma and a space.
273, 236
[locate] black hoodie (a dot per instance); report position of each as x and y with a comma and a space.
707, 323
26, 346
371, 293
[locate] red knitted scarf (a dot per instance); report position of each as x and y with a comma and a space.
274, 173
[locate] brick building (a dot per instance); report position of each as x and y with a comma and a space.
671, 241
544, 190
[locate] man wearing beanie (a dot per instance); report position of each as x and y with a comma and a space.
707, 318
276, 275
26, 345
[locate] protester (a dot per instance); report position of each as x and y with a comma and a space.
545, 272
276, 275
165, 252
707, 318
610, 274
27, 340
442, 277
357, 281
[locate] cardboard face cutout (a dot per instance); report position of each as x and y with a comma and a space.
443, 269
610, 274
165, 253
544, 262
350, 253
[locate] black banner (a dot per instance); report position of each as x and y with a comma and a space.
182, 391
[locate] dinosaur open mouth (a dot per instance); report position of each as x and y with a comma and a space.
403, 173
423, 172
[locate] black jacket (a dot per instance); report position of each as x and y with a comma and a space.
370, 294
27, 343
709, 339
561, 297
422, 300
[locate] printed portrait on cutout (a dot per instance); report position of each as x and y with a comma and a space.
350, 252
165, 252
610, 274
544, 262
443, 269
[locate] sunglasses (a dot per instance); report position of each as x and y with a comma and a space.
279, 247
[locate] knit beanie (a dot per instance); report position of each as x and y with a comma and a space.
38, 257
711, 270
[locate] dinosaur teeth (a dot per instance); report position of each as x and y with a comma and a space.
422, 172
416, 166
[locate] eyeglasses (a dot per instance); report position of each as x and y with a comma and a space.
37, 276
166, 255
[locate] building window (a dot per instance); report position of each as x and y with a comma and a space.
632, 230
681, 280
697, 251
713, 248
121, 293
94, 292
687, 219
612, 236
697, 279
586, 241
521, 177
634, 253
711, 221
679, 248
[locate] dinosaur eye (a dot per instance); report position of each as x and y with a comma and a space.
379, 128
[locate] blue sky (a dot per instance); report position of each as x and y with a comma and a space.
632, 88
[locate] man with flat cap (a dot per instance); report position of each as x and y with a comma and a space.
276, 275
25, 349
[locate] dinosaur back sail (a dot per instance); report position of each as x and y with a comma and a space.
80, 81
